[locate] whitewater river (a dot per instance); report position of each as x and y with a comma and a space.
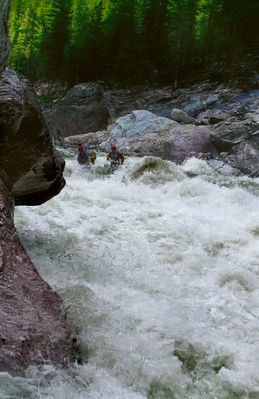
157, 268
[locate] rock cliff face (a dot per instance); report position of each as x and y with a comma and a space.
33, 168
82, 110
32, 328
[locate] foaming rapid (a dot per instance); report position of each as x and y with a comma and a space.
156, 265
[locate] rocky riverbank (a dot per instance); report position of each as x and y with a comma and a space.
216, 122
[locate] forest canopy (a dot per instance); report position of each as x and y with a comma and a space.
133, 40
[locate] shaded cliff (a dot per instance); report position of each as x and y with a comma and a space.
32, 167
32, 327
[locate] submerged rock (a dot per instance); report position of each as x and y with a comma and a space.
82, 110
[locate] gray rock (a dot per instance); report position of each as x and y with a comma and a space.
228, 134
83, 93
181, 117
253, 117
91, 140
195, 107
246, 159
143, 133
137, 125
224, 167
254, 139
211, 99
4, 37
82, 110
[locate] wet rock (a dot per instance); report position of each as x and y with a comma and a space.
82, 110
33, 329
143, 133
4, 37
245, 158
228, 134
224, 167
181, 117
91, 140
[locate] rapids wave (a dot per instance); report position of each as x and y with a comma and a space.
157, 268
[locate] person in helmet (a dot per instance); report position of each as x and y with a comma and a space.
85, 157
115, 158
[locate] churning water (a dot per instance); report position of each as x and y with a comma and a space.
157, 268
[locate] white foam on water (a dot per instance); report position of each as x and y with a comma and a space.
157, 266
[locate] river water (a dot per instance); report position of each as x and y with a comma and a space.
157, 268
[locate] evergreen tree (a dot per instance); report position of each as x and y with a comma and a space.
55, 39
133, 40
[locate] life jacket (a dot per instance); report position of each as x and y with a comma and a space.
115, 157
84, 157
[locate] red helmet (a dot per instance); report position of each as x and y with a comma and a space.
80, 148
113, 147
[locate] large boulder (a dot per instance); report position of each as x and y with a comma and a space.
4, 38
33, 329
143, 133
82, 110
27, 157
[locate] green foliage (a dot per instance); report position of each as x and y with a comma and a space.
132, 40
46, 98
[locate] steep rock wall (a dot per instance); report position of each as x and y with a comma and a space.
32, 327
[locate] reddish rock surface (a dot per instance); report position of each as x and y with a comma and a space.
32, 328
32, 323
